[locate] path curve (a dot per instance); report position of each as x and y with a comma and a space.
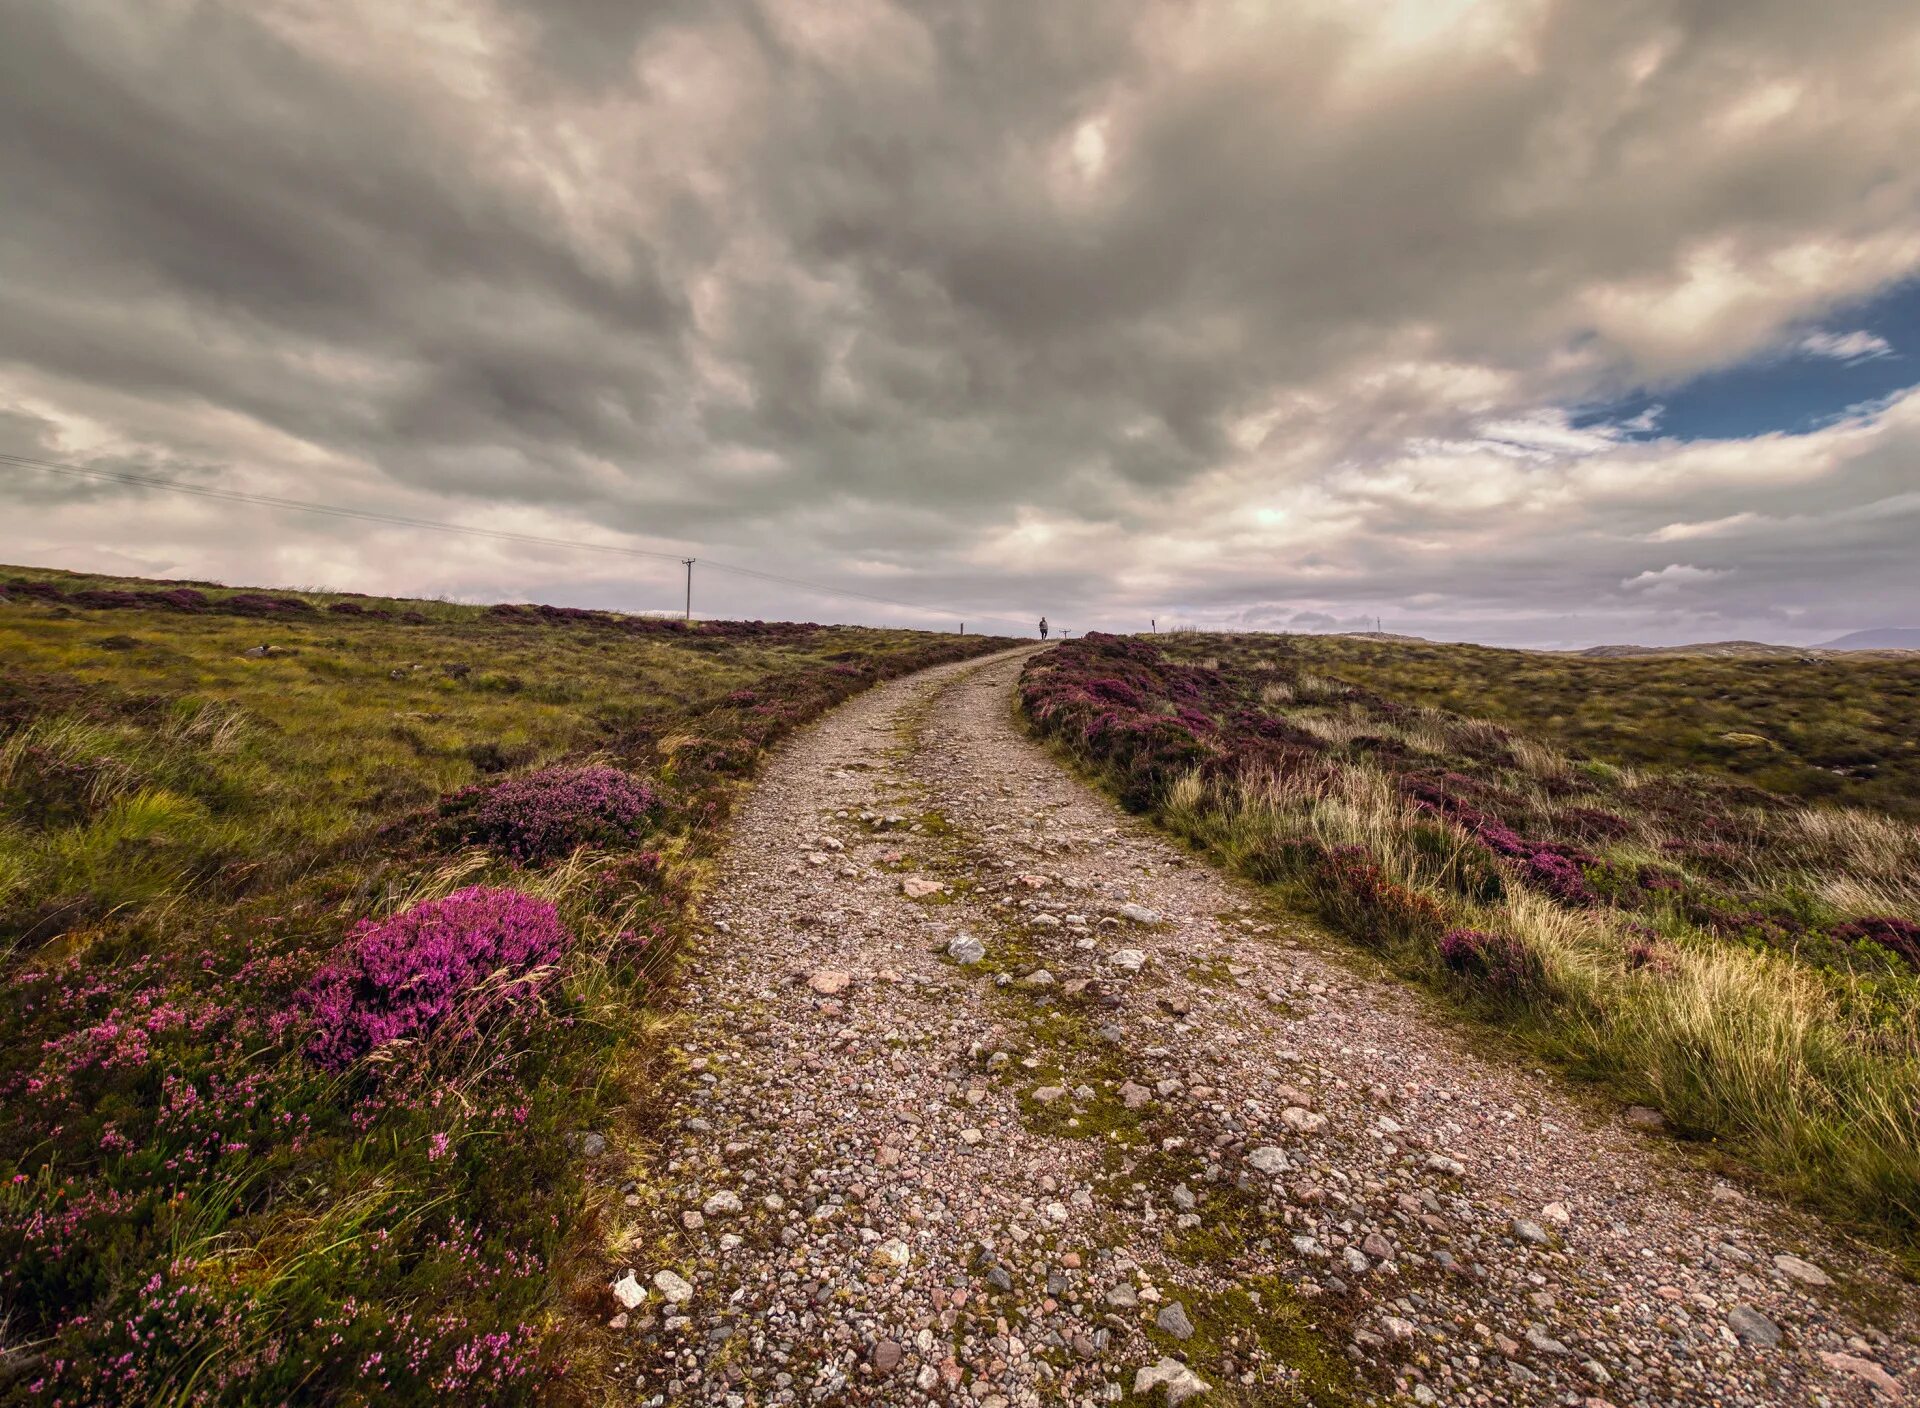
898, 1178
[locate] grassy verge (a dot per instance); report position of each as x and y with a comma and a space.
1748, 964
327, 923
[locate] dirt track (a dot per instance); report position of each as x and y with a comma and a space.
900, 1178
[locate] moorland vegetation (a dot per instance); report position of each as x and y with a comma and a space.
1838, 727
332, 930
1743, 960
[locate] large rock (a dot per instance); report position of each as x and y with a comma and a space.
1173, 1319
1139, 914
1751, 1327
830, 982
1864, 1369
916, 888
1128, 960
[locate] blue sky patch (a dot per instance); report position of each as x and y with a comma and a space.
1856, 356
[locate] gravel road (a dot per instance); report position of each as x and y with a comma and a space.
992, 1096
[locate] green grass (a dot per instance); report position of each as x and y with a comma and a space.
190, 1208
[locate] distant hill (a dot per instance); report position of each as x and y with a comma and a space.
1881, 638
1719, 649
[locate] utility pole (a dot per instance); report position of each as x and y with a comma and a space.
689, 565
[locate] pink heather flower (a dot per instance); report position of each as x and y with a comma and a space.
437, 1147
401, 978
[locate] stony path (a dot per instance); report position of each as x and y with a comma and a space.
994, 1098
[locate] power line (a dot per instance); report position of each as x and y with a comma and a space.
206, 491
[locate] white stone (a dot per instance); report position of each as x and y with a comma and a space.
675, 1287
1269, 1159
966, 949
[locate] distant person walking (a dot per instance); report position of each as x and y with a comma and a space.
1043, 628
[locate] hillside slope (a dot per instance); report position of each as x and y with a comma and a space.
1832, 728
326, 921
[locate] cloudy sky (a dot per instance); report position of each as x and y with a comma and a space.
1529, 321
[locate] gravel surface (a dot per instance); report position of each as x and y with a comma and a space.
993, 1097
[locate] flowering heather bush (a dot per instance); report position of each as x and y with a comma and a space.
402, 978
543, 816
1552, 870
179, 598
1496, 963
103, 598
262, 604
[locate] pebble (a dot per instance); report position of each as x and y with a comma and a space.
1173, 1319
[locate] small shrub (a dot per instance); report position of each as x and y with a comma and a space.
1353, 892
402, 978
1496, 963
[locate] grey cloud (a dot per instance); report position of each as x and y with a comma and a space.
822, 281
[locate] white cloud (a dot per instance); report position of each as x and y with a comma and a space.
1671, 578
1711, 528
1856, 346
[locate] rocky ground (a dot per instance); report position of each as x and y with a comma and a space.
993, 1097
